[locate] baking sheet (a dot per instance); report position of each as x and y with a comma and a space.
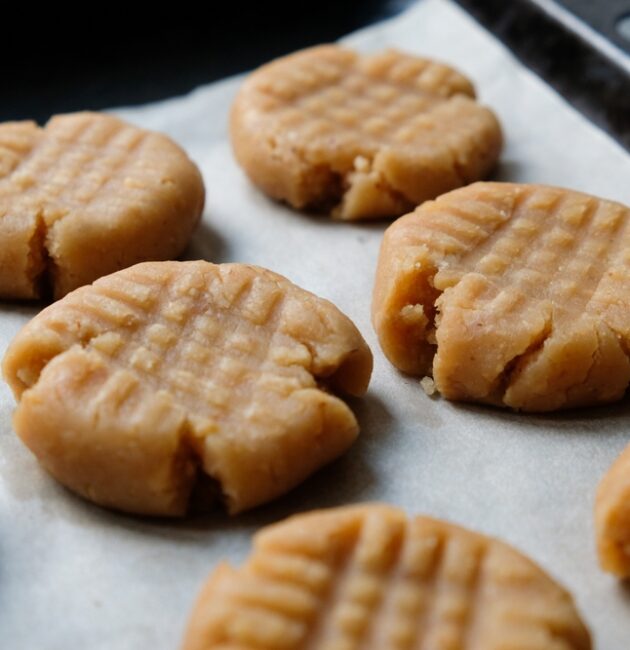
73, 575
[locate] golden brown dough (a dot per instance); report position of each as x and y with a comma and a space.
365, 136
612, 517
85, 196
366, 577
515, 295
133, 388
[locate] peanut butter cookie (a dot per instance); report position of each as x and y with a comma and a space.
515, 295
365, 136
367, 577
132, 389
612, 517
85, 196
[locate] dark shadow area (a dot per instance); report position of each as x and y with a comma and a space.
506, 171
206, 244
623, 590
570, 419
376, 225
25, 308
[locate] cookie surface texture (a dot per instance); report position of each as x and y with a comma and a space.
88, 195
514, 295
362, 136
612, 517
366, 577
135, 388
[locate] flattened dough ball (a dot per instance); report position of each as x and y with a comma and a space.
131, 388
365, 136
515, 295
367, 577
612, 517
88, 195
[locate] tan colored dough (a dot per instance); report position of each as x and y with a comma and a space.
515, 295
367, 577
87, 195
612, 517
365, 136
133, 388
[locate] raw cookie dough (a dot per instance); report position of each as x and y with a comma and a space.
368, 577
132, 389
515, 295
85, 196
612, 517
365, 136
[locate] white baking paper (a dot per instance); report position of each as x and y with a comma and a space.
73, 575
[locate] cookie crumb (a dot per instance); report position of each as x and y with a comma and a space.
428, 386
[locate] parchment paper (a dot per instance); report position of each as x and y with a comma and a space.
73, 575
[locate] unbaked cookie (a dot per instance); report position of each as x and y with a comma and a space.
85, 196
367, 577
132, 389
612, 517
515, 295
365, 136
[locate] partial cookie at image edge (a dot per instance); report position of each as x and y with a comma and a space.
612, 517
86, 195
367, 576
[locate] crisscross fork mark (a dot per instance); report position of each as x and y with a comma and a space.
366, 97
220, 345
60, 175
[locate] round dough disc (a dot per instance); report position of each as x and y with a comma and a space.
514, 295
362, 136
88, 195
367, 577
134, 388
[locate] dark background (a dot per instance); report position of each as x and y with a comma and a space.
104, 57
110, 60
